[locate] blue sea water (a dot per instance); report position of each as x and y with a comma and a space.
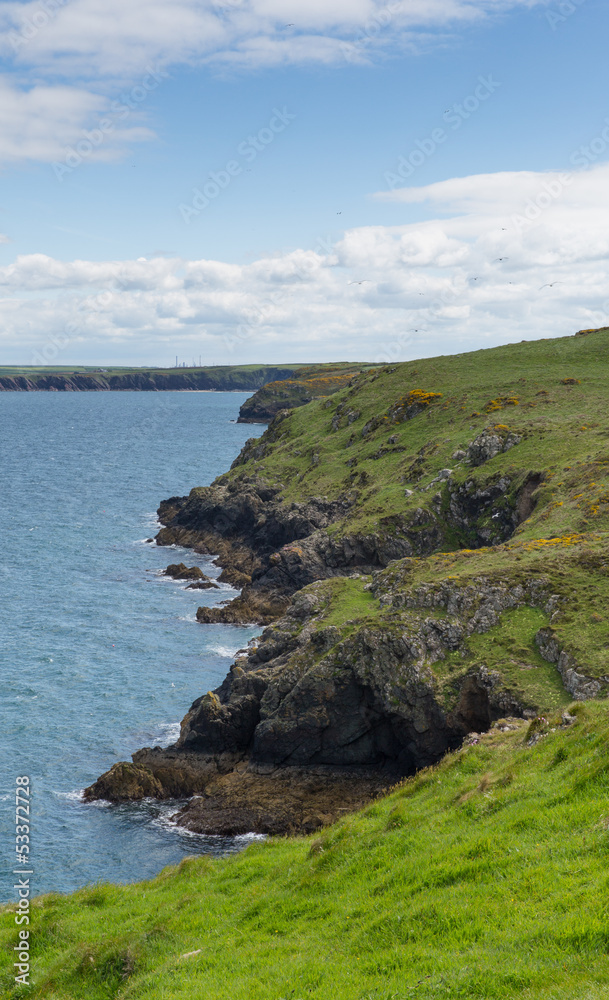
101, 655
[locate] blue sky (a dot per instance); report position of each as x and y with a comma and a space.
258, 265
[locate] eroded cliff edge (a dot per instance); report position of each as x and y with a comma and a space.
422, 568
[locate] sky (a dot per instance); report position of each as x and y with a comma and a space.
288, 181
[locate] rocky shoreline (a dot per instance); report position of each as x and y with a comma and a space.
366, 671
220, 380
307, 724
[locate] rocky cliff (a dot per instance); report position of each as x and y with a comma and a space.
422, 569
219, 379
314, 382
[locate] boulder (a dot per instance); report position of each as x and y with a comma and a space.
489, 443
179, 571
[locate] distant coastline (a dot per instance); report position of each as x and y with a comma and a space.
236, 378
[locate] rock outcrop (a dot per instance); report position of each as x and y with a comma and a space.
180, 571
311, 703
491, 442
579, 686
272, 548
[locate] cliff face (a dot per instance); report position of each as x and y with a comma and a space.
422, 570
315, 717
220, 379
272, 547
315, 382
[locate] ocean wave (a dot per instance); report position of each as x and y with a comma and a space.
76, 796
227, 651
168, 733
166, 821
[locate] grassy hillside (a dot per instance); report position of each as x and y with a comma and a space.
484, 877
552, 393
313, 382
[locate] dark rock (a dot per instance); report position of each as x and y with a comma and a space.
125, 782
179, 571
489, 443
579, 686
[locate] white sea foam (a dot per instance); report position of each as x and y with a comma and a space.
227, 651
166, 821
76, 796
168, 733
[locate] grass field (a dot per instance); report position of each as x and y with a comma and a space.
486, 877
552, 393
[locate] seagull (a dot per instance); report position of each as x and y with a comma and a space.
359, 282
502, 258
550, 284
339, 213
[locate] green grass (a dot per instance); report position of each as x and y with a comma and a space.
8, 370
509, 649
565, 434
484, 877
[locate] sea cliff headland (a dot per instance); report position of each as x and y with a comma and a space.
421, 547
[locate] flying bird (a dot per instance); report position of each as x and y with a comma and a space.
359, 282
502, 258
550, 284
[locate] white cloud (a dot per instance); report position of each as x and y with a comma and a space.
41, 124
428, 288
95, 47
113, 38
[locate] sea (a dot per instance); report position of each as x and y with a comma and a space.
100, 654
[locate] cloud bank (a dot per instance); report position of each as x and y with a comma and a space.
82, 52
521, 255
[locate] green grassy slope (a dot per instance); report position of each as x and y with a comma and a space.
315, 382
484, 877
523, 388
